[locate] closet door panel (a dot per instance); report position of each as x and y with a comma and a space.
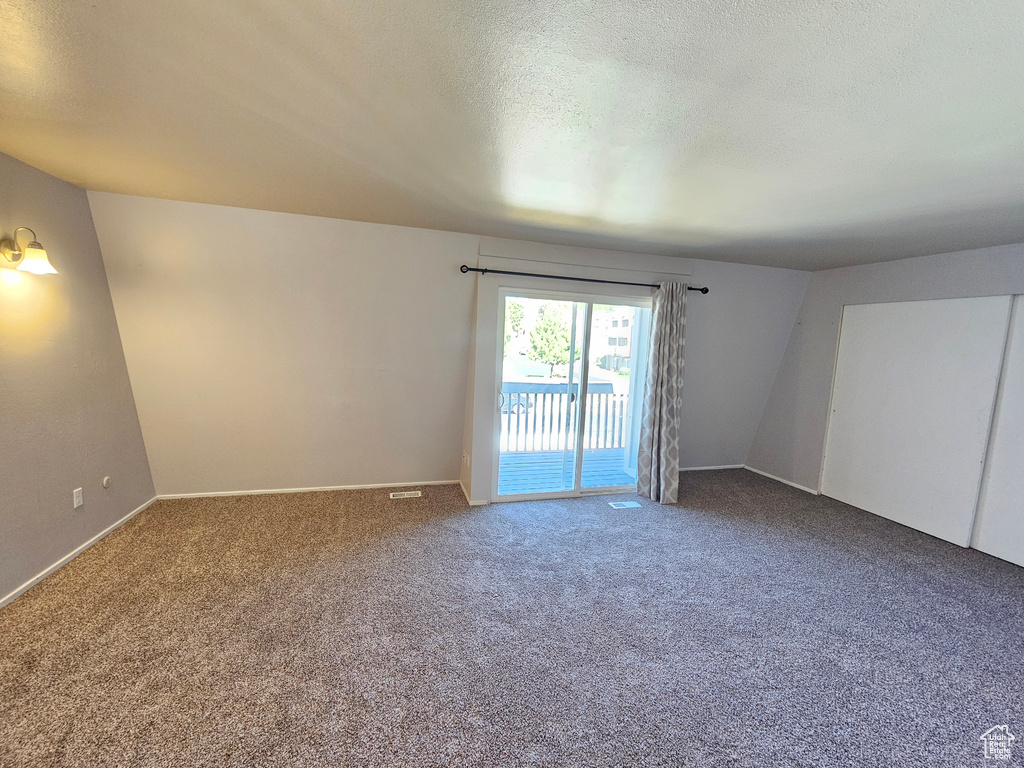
912, 400
1000, 526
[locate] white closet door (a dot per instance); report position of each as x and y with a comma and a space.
912, 401
1000, 526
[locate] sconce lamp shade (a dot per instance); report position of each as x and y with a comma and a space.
35, 261
30, 259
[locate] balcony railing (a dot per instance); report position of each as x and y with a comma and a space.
542, 417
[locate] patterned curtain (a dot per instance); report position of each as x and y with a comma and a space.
658, 461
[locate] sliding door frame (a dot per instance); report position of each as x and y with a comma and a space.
589, 300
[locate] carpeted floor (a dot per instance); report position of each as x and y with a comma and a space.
752, 625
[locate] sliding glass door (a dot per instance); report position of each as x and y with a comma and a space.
615, 388
539, 399
571, 382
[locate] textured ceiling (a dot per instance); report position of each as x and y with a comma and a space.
793, 133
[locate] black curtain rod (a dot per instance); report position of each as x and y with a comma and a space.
466, 269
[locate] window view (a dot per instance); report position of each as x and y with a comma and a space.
611, 433
539, 395
542, 427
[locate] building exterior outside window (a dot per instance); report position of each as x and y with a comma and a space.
613, 355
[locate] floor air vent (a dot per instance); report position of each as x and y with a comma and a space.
623, 504
406, 494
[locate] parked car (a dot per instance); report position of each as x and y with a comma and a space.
518, 396
516, 402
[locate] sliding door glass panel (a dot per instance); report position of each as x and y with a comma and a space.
615, 388
539, 400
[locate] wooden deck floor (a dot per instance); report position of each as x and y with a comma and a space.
551, 471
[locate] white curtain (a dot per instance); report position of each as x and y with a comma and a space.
658, 461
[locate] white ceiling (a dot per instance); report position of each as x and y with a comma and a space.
793, 133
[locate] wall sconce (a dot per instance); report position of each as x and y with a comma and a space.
31, 259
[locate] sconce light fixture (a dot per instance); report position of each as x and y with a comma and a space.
31, 259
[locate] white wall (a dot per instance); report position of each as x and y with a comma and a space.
276, 351
735, 339
273, 350
791, 436
67, 418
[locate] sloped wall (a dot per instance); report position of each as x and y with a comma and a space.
67, 415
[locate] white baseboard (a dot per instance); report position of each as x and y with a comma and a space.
71, 555
469, 501
701, 469
303, 490
781, 480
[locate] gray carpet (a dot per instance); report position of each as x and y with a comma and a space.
753, 625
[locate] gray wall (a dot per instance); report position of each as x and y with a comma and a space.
67, 417
735, 341
272, 351
275, 351
790, 439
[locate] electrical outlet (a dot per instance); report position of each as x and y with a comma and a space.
79, 498
465, 459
